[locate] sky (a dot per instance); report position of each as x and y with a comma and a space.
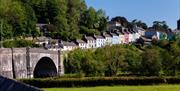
144, 10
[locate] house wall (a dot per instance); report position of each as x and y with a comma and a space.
126, 38
130, 37
108, 40
100, 42
91, 44
82, 45
115, 39
121, 39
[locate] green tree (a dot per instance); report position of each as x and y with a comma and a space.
133, 59
122, 20
160, 26
139, 24
93, 22
83, 62
17, 18
151, 62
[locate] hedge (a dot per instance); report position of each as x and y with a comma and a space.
100, 81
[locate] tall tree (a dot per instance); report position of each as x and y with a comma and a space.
139, 24
122, 20
160, 26
17, 17
151, 62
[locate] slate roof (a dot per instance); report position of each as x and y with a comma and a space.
89, 38
107, 35
65, 43
80, 41
114, 34
7, 84
42, 39
99, 37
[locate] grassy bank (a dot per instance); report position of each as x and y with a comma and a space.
121, 88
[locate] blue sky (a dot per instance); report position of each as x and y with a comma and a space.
145, 10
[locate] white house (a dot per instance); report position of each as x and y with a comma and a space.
131, 35
81, 43
141, 31
115, 38
108, 38
91, 41
121, 36
67, 46
100, 41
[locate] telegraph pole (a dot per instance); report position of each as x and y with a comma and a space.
1, 33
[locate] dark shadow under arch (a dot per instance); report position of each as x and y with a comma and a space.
45, 68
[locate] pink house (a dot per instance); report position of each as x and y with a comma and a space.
126, 36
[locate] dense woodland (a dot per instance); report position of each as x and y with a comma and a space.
67, 19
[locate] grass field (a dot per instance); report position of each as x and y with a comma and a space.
121, 88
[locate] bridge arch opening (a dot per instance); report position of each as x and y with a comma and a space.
45, 68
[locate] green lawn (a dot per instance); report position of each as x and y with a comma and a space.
121, 88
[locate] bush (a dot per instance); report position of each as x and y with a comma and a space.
100, 81
19, 43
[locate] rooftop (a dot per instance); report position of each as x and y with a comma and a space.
65, 43
80, 41
99, 37
89, 38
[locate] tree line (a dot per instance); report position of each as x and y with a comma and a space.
160, 59
66, 19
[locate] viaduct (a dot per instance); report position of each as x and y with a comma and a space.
30, 63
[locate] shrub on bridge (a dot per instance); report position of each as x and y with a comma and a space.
19, 43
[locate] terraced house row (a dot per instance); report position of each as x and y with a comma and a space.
116, 35
119, 35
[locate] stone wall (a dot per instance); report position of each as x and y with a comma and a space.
6, 62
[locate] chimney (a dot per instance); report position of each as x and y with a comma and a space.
94, 36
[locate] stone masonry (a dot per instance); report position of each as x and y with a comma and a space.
21, 62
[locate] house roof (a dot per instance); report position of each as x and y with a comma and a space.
65, 43
99, 37
114, 34
89, 38
107, 35
80, 41
42, 39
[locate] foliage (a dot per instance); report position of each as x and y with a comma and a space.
69, 19
16, 18
82, 62
151, 62
139, 24
100, 81
160, 59
19, 43
160, 26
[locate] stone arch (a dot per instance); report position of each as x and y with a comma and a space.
45, 67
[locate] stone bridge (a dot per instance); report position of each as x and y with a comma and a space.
30, 63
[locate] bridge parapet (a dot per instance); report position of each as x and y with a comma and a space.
41, 50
